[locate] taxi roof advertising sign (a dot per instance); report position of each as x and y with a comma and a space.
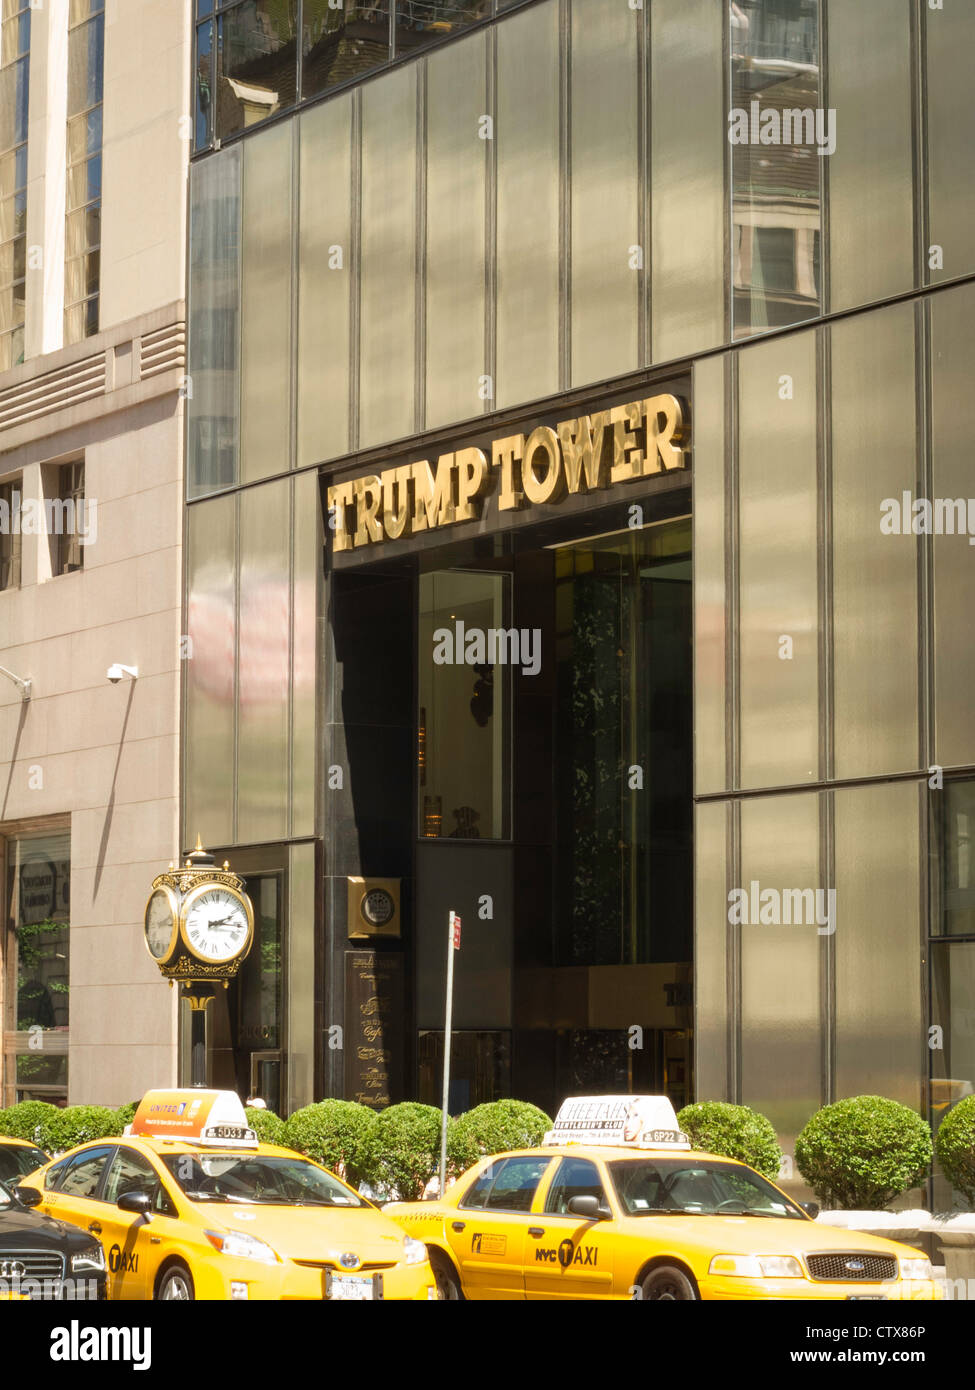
632, 1121
197, 1116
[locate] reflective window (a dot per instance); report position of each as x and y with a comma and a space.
653, 1186
253, 1178
576, 1177
257, 72
421, 22
10, 498
339, 45
14, 85
959, 860
507, 1186
778, 132
17, 1162
36, 953
84, 1174
70, 516
132, 1172
82, 248
464, 735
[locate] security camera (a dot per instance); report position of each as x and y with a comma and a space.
116, 671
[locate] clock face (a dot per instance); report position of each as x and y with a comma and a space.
161, 913
216, 924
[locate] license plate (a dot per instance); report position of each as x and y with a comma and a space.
866, 1298
351, 1286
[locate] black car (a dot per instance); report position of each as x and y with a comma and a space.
41, 1258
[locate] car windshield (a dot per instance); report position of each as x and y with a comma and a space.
17, 1162
222, 1177
672, 1186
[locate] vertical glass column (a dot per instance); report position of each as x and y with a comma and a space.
265, 305
456, 154
871, 179
14, 90
777, 164
879, 1036
387, 333
875, 607
949, 40
687, 175
708, 554
264, 617
325, 278
83, 207
209, 711
527, 150
778, 565
952, 430
781, 1010
605, 279
214, 328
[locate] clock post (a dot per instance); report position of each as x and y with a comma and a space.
199, 926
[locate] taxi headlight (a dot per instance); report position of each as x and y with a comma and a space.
757, 1266
918, 1268
241, 1246
416, 1251
88, 1259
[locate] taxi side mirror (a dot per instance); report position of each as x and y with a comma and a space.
138, 1203
589, 1207
810, 1208
28, 1196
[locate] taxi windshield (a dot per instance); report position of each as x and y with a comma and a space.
672, 1186
254, 1178
5, 1197
17, 1163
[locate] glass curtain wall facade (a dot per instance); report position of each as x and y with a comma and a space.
474, 220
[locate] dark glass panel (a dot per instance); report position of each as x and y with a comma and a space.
340, 45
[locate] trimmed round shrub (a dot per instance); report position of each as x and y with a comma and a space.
734, 1131
28, 1119
404, 1150
76, 1124
268, 1126
493, 1128
955, 1146
859, 1154
125, 1114
336, 1133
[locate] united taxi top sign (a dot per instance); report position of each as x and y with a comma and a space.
618, 445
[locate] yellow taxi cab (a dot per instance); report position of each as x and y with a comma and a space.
615, 1204
18, 1157
188, 1204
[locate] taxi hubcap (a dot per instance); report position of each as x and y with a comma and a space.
176, 1288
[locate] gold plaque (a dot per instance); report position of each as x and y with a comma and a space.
373, 907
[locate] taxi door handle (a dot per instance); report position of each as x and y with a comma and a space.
457, 1225
95, 1228
155, 1240
536, 1231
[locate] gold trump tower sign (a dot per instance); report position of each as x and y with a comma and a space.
585, 454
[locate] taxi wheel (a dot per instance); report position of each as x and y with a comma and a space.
448, 1285
668, 1284
175, 1285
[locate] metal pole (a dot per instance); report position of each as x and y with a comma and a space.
198, 1001
446, 1052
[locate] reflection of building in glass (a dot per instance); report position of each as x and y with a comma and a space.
777, 187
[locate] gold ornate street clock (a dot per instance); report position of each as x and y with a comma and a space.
199, 926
